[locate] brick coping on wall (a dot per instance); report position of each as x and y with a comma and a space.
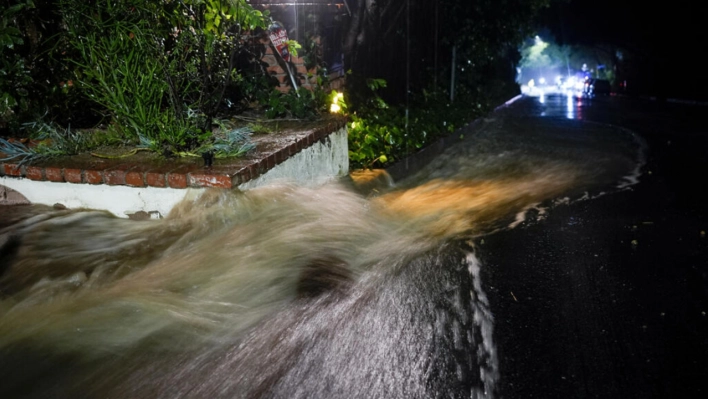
146, 170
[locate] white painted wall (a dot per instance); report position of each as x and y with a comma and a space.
317, 164
119, 200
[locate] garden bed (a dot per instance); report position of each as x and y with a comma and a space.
146, 169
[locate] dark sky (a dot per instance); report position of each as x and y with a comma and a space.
659, 28
667, 40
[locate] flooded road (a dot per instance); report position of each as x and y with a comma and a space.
607, 298
292, 292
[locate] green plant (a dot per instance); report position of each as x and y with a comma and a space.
117, 65
229, 143
14, 74
156, 75
299, 104
210, 52
312, 52
258, 128
160, 69
35, 83
13, 150
380, 133
369, 141
51, 141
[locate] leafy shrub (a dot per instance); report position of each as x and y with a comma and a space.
23, 30
52, 141
14, 75
160, 69
379, 133
299, 104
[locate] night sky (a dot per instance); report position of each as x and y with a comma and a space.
626, 23
669, 39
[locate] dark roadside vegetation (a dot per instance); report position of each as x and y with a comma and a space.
181, 78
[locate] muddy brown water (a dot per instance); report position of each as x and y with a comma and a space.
285, 291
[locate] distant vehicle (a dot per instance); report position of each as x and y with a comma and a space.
594, 87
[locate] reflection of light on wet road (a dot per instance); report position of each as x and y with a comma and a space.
570, 106
559, 103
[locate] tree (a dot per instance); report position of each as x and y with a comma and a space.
386, 38
426, 50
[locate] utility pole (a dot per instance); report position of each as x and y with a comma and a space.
452, 77
435, 52
408, 67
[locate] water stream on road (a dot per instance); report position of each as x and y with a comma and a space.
285, 291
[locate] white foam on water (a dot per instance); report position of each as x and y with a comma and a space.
633, 177
484, 322
520, 218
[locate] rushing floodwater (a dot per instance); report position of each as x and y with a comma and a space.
291, 292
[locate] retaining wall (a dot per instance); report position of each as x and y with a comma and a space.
125, 187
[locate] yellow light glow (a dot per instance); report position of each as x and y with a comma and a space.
335, 107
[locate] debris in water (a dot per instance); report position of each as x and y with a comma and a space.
139, 215
634, 243
513, 296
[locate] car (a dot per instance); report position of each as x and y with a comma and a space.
594, 87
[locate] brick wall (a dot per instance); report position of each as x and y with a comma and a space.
304, 77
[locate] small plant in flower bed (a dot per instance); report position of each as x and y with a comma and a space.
298, 104
50, 141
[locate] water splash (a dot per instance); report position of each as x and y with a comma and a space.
285, 290
223, 257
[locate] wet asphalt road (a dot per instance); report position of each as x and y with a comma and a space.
608, 298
